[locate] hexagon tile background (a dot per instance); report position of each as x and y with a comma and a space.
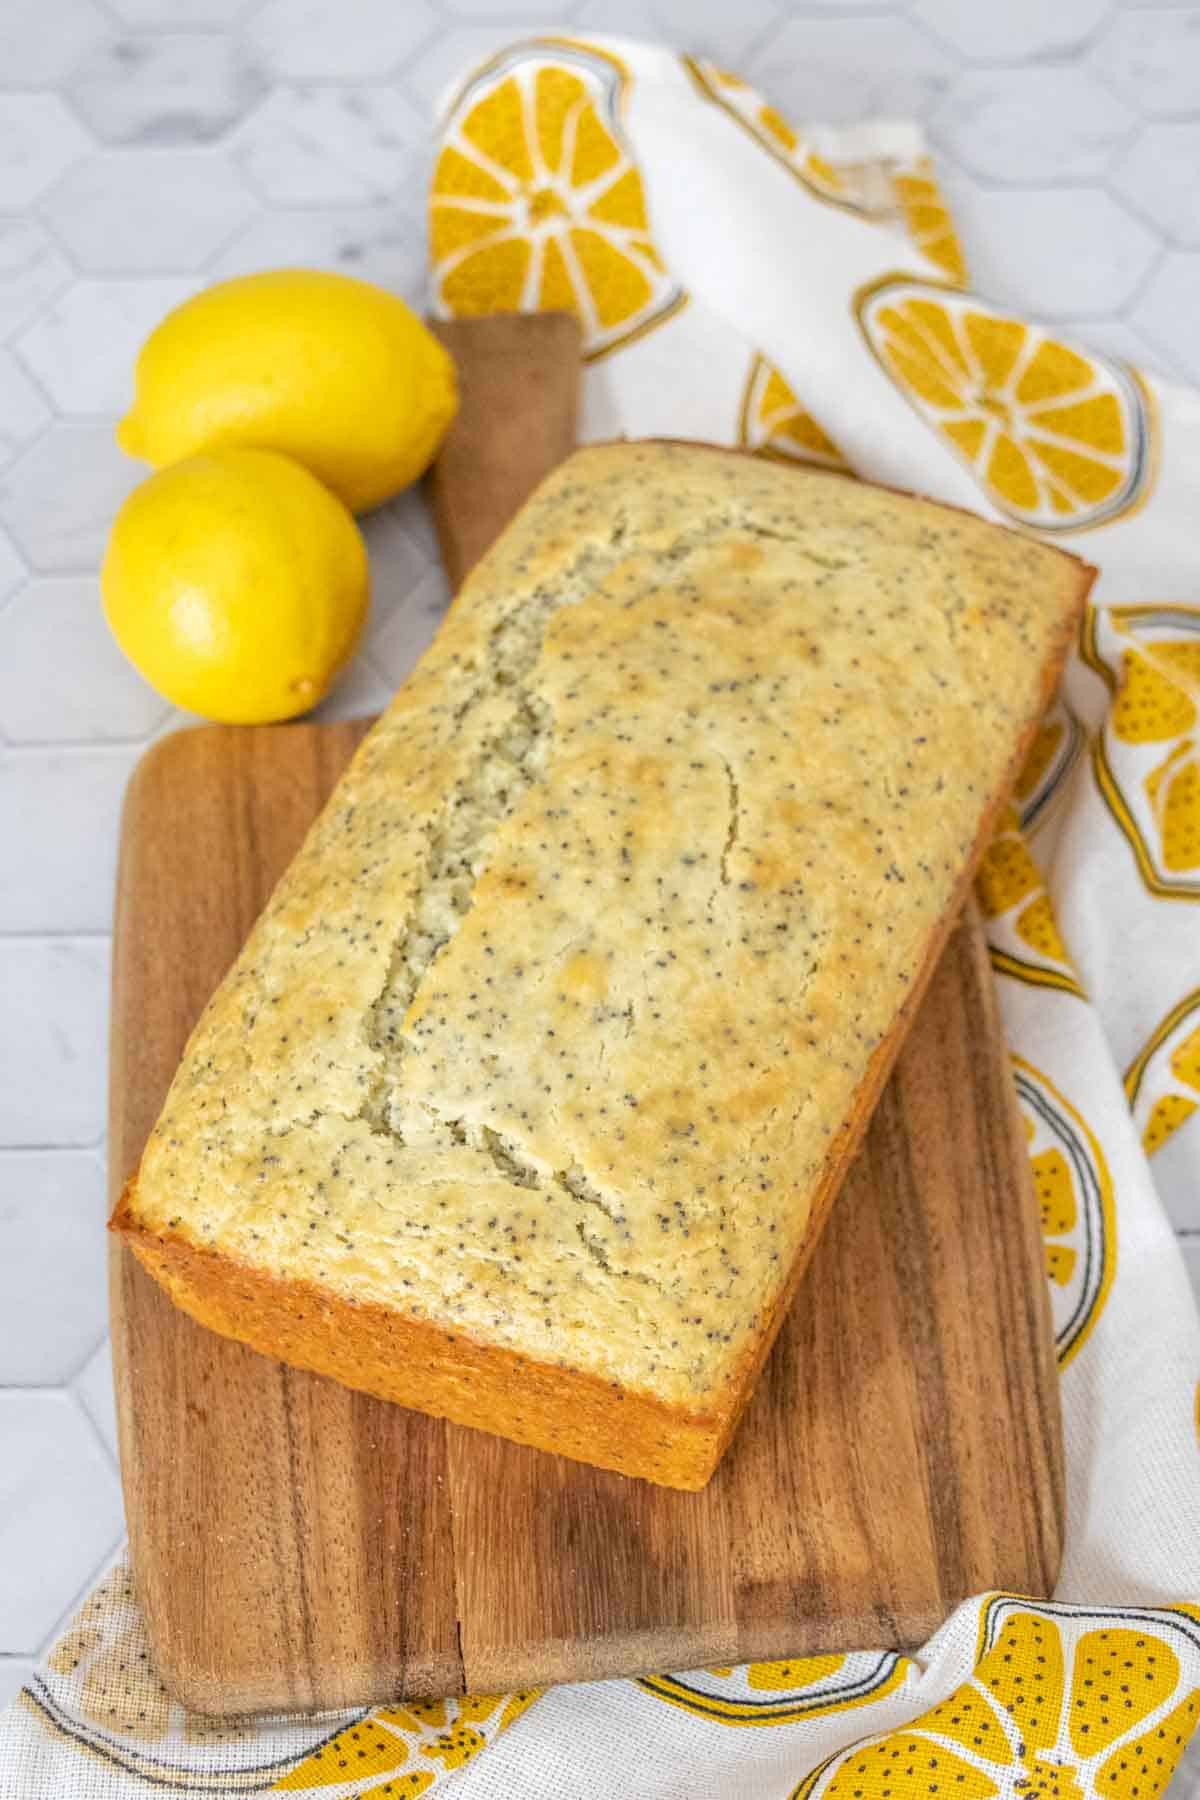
149, 146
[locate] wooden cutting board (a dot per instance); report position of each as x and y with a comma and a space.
296, 1545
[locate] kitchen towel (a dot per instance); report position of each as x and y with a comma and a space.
802, 294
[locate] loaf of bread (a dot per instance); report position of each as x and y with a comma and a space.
525, 1101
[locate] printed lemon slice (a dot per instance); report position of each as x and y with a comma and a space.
1056, 438
1023, 935
537, 203
1168, 1061
1056, 749
779, 1693
1173, 790
1168, 1113
927, 218
1066, 1704
1151, 703
363, 1749
773, 423
1075, 1204
900, 192
769, 128
1145, 757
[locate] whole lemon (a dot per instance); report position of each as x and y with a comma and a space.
236, 584
336, 372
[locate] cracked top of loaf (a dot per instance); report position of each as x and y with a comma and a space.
548, 1031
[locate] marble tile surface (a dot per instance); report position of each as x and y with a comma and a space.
51, 1242
148, 147
113, 220
60, 1512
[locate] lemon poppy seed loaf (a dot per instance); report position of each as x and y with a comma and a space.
526, 1098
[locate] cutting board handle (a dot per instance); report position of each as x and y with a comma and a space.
518, 377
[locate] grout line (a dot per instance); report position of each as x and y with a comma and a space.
87, 934
98, 1437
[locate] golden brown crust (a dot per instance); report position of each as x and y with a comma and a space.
413, 1363
223, 1208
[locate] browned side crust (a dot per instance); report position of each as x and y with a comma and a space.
450, 1375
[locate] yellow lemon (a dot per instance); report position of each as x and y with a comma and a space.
237, 585
335, 372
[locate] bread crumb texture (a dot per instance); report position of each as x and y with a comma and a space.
547, 1035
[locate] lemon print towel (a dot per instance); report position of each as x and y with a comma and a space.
756, 280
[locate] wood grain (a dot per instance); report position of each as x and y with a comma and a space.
518, 377
297, 1545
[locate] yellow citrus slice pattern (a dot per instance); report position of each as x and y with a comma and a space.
772, 422
536, 202
409, 1746
1075, 1202
1023, 937
1054, 754
902, 192
1163, 1080
1066, 1703
1147, 756
1057, 439
99, 1689
927, 218
783, 1693
770, 129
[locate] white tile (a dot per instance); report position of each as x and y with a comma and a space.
54, 641
93, 1387
704, 27
160, 211
1082, 255
1191, 1257
1152, 59
32, 270
1166, 312
53, 1040
329, 146
53, 1295
1160, 177
59, 813
14, 1673
550, 12
23, 409
84, 345
452, 54
375, 243
58, 500
833, 70
309, 40
410, 626
166, 89
1045, 125
401, 557
176, 15
360, 693
60, 1513
12, 568
39, 139
1117, 337
411, 512
1017, 30
40, 39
